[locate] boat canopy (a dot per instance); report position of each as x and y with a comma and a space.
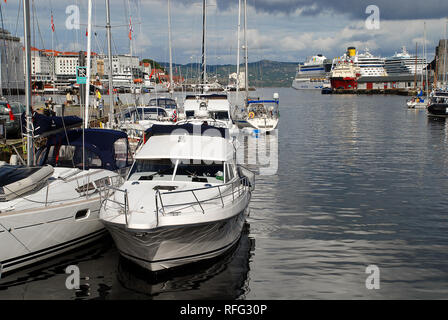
187, 142
262, 101
189, 128
46, 125
212, 102
104, 148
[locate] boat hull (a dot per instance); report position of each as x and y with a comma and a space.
259, 124
438, 110
21, 232
309, 85
174, 246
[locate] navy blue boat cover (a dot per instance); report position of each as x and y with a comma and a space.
99, 141
192, 129
43, 123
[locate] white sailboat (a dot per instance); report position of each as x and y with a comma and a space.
259, 114
420, 101
185, 198
53, 207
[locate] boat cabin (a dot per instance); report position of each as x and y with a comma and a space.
214, 106
104, 149
186, 153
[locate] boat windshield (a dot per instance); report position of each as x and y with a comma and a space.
219, 115
263, 109
184, 170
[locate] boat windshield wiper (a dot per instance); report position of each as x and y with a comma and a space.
160, 172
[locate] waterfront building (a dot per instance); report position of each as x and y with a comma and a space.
11, 64
442, 60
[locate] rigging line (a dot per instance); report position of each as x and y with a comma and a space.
18, 15
38, 26
6, 55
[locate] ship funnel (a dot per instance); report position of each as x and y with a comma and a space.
351, 51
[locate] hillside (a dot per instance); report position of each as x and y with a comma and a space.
264, 73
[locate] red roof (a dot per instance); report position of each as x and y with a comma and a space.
60, 53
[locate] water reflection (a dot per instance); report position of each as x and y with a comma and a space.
223, 278
105, 275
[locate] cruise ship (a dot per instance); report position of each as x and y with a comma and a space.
404, 64
312, 74
370, 65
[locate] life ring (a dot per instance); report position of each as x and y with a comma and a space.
251, 115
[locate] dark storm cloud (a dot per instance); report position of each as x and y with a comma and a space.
389, 9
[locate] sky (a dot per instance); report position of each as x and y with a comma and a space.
280, 30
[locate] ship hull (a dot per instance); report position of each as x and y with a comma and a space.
438, 110
344, 83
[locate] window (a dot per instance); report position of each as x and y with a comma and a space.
121, 153
219, 115
70, 156
160, 167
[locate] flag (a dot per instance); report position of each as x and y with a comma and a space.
130, 29
11, 115
52, 23
87, 32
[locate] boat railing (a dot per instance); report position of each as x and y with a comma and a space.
233, 190
124, 206
227, 193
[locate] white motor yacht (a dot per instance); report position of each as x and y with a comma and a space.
210, 109
184, 200
261, 115
54, 207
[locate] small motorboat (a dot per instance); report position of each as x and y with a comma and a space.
438, 105
417, 103
184, 200
261, 115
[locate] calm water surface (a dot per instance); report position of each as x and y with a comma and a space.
361, 180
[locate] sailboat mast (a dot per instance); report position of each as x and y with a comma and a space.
89, 53
204, 44
27, 39
415, 67
445, 76
246, 51
170, 49
426, 64
109, 53
238, 53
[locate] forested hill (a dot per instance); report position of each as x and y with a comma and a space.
264, 73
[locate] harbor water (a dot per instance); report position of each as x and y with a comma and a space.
357, 180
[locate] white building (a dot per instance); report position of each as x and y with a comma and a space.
66, 63
40, 66
11, 63
121, 64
